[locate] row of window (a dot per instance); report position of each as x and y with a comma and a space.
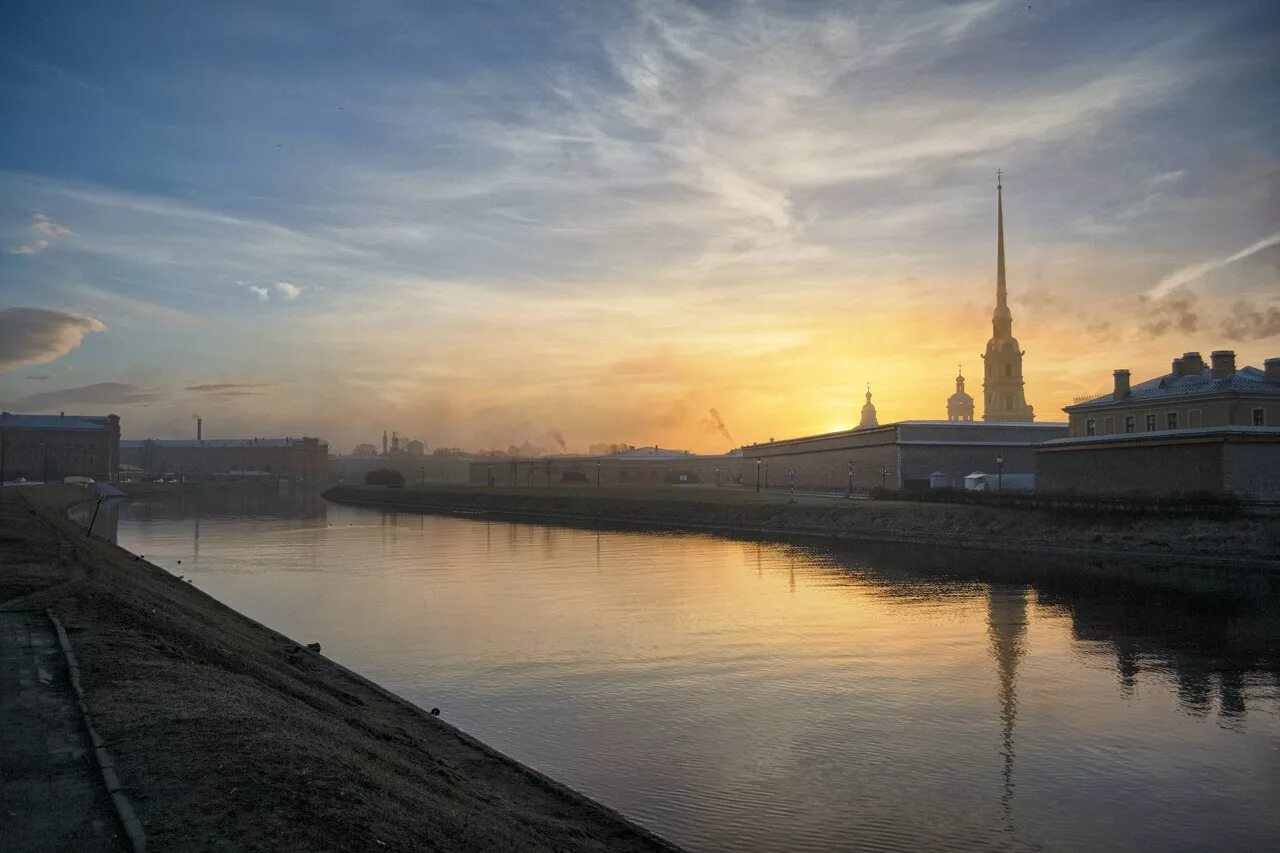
1170, 422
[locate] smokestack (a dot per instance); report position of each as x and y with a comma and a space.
1272, 367
1122, 385
199, 429
1224, 363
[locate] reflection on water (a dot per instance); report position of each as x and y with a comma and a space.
742, 695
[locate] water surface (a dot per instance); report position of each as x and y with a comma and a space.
740, 695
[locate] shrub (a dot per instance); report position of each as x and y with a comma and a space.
384, 477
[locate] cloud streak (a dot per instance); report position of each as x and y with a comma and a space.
44, 232
1189, 274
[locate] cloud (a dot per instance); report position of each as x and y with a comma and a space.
100, 394
1247, 323
288, 291
222, 387
1195, 271
1174, 311
38, 335
262, 292
44, 231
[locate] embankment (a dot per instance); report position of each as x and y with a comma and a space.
224, 737
1251, 540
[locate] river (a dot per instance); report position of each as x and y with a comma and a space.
734, 694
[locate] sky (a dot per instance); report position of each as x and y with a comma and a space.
483, 223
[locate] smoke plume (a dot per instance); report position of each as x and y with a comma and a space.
1247, 323
714, 423
554, 435
1174, 311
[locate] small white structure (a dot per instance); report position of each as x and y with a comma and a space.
938, 480
978, 482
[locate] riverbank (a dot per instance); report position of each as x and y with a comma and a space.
225, 735
1252, 540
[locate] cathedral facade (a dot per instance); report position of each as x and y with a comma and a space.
1003, 398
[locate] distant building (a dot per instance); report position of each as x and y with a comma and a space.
868, 413
960, 404
904, 455
40, 447
1002, 384
1198, 428
286, 458
415, 448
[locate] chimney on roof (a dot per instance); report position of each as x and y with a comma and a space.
1192, 363
1122, 385
1176, 370
1272, 368
1224, 363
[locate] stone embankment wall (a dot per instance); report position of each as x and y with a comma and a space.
1255, 540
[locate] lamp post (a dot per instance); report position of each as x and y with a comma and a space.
999, 473
597, 473
490, 475
757, 475
850, 494
717, 476
791, 478
422, 475
884, 474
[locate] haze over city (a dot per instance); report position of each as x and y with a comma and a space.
502, 220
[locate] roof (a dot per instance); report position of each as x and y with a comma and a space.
1216, 432
211, 442
1246, 380
652, 452
9, 420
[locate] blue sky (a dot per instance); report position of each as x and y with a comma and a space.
480, 222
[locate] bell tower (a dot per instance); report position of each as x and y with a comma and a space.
1003, 398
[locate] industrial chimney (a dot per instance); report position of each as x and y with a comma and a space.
1122, 385
1224, 363
199, 429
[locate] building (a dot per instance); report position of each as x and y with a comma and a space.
51, 447
903, 455
1197, 429
640, 466
1002, 384
284, 458
868, 413
960, 404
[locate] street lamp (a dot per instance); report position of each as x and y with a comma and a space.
597, 473
850, 494
491, 475
999, 473
757, 475
422, 475
884, 473
717, 476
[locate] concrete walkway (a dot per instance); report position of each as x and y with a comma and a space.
51, 794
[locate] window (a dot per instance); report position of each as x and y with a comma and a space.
1109, 425
1259, 417
1172, 420
1130, 423
1151, 423
1090, 427
1193, 418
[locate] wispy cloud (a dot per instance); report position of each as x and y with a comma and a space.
44, 232
1189, 274
101, 393
287, 290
